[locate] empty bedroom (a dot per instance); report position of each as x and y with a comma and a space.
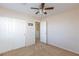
39, 29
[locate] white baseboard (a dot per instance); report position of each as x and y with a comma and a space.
63, 48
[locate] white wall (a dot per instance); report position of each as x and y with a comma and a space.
43, 31
14, 30
63, 30
30, 35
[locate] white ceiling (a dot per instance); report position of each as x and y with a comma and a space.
25, 7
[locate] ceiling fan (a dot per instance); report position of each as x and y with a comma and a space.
42, 9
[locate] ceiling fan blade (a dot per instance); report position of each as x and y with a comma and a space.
45, 12
49, 8
37, 12
42, 5
34, 8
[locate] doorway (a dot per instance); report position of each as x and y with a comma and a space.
37, 34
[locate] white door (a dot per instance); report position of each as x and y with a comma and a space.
43, 31
11, 33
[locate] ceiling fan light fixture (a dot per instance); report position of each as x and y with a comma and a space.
40, 11
44, 10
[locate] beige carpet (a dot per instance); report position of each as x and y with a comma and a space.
44, 50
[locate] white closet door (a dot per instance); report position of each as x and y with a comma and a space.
12, 33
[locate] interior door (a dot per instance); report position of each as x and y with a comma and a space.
43, 33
